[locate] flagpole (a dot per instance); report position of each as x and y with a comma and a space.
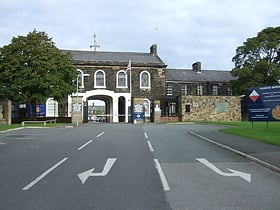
130, 86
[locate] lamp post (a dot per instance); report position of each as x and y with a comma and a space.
77, 107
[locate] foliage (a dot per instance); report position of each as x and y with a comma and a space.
32, 69
257, 62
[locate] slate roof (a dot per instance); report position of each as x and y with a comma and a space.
115, 58
189, 75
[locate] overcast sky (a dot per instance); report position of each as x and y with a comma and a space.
184, 30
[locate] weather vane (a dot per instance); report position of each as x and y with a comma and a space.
95, 45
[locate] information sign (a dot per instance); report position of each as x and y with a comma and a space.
264, 103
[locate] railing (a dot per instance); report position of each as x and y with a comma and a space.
38, 121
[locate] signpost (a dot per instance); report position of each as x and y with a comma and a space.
264, 104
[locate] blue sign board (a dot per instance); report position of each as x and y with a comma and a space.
40, 110
264, 103
138, 116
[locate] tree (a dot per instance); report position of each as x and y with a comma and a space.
257, 62
33, 69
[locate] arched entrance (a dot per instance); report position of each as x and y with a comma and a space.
116, 104
100, 108
121, 105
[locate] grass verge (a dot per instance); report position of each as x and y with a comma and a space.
259, 131
8, 127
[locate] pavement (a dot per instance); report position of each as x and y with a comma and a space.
262, 153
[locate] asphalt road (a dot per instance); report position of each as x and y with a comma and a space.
124, 166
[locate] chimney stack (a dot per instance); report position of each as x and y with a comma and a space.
153, 50
197, 67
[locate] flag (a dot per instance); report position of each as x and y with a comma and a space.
128, 68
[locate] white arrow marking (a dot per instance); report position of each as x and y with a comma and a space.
243, 175
86, 174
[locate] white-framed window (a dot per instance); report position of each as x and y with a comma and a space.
121, 79
147, 107
145, 79
199, 90
81, 78
99, 79
215, 90
169, 89
184, 89
229, 91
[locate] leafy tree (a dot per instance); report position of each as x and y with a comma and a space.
257, 62
32, 69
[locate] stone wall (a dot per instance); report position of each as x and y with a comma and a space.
210, 108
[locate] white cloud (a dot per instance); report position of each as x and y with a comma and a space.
187, 31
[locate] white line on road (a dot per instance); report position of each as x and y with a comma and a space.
27, 187
150, 146
100, 134
162, 176
146, 135
84, 145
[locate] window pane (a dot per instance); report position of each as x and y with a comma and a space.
100, 79
215, 90
121, 79
184, 89
169, 89
145, 80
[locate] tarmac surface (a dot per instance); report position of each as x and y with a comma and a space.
264, 154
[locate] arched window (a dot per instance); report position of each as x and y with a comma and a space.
145, 79
121, 79
99, 79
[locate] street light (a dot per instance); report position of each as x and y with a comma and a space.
77, 107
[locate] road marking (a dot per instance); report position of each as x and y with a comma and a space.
150, 146
26, 138
84, 145
146, 135
100, 134
161, 175
27, 187
86, 174
243, 175
2, 143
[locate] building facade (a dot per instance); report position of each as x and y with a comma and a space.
138, 87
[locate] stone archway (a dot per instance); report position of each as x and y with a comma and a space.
103, 112
112, 103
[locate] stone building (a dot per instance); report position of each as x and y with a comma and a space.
139, 87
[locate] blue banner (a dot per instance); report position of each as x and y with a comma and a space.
264, 103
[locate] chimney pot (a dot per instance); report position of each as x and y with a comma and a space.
153, 49
197, 67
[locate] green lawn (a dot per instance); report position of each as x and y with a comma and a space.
259, 131
7, 127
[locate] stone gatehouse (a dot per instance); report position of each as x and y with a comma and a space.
137, 82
